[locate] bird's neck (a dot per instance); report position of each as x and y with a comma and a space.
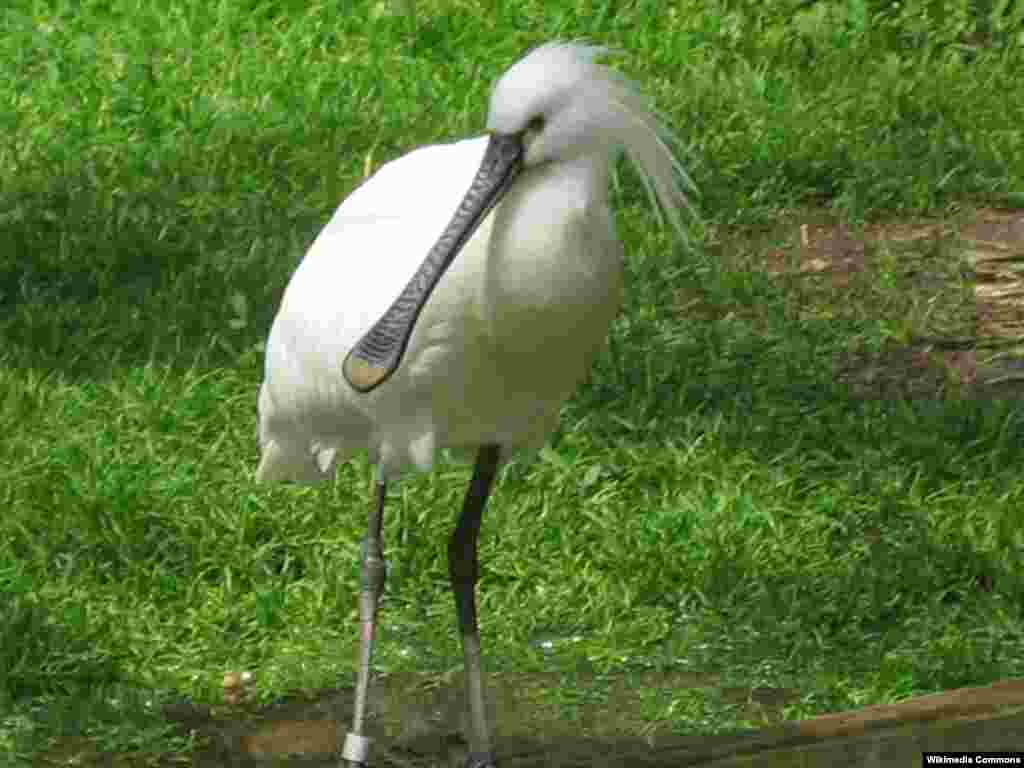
589, 173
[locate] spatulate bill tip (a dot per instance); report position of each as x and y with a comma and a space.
362, 375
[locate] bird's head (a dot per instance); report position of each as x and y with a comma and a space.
558, 100
555, 104
561, 102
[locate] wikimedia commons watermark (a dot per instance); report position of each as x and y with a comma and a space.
972, 758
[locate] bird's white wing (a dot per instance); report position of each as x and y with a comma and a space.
370, 249
428, 180
355, 268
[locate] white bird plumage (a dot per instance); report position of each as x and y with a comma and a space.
379, 346
512, 327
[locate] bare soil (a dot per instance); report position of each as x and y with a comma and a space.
965, 273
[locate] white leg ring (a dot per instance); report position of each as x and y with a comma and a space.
356, 749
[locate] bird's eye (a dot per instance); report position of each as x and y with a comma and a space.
536, 125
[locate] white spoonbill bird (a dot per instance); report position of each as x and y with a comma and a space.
455, 300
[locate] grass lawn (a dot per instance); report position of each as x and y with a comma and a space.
718, 501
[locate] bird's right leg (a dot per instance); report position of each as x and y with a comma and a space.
463, 568
372, 574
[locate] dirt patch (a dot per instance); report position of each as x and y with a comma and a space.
419, 720
911, 371
415, 718
952, 287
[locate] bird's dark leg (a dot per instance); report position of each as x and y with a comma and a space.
462, 571
373, 572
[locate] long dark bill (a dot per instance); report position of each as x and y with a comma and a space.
378, 353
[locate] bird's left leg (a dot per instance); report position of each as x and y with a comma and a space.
373, 572
462, 572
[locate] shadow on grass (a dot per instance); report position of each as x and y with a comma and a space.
92, 279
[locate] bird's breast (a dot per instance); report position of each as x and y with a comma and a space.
550, 285
553, 273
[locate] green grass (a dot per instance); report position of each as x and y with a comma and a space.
713, 502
